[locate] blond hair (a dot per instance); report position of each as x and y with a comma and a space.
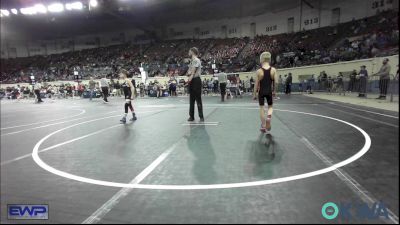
195, 51
124, 72
265, 57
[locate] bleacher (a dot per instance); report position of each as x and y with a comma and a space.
358, 39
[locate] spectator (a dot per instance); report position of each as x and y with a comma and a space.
288, 84
384, 79
310, 84
352, 82
339, 83
222, 78
38, 88
92, 86
363, 79
280, 84
104, 88
117, 87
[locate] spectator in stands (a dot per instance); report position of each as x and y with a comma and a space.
324, 80
237, 83
310, 84
352, 81
280, 84
384, 78
158, 88
223, 79
104, 88
134, 85
301, 82
69, 90
215, 86
288, 84
38, 88
247, 85
81, 89
330, 84
251, 84
25, 93
117, 88
112, 84
92, 86
363, 79
172, 87
141, 89
339, 83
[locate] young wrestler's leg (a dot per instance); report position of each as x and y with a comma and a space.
269, 113
262, 112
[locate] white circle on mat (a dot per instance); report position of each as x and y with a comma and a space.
359, 154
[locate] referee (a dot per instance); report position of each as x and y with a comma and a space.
195, 86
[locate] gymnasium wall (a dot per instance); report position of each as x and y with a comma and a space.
304, 17
373, 65
22, 48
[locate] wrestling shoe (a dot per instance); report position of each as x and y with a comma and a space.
133, 117
262, 129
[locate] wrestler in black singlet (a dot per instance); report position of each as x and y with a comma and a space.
265, 88
128, 101
127, 90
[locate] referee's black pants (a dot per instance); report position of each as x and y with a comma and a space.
195, 89
105, 93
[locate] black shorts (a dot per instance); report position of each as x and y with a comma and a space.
261, 99
128, 95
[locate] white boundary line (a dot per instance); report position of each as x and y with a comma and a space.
359, 154
52, 124
68, 117
67, 142
200, 124
115, 199
348, 180
60, 144
381, 114
363, 117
